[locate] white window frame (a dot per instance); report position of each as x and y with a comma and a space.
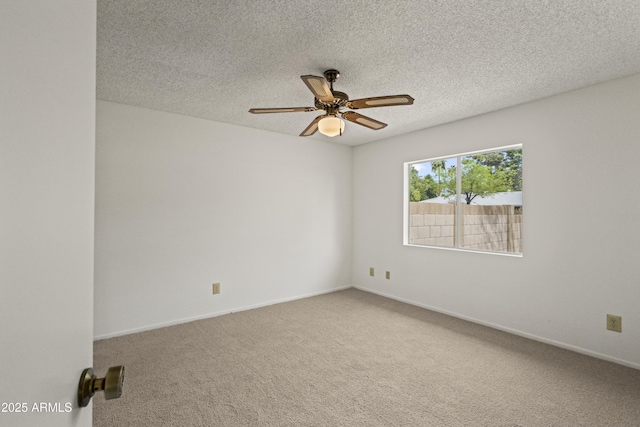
406, 200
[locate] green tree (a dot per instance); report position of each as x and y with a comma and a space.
438, 167
430, 188
492, 160
420, 188
414, 184
508, 162
512, 165
477, 180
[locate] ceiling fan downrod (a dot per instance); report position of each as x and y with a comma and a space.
331, 76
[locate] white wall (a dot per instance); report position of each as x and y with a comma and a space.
581, 155
182, 203
47, 146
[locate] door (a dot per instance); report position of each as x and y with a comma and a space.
47, 146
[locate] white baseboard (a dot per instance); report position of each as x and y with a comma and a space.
215, 314
509, 330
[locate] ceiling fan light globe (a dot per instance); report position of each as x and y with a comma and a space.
331, 126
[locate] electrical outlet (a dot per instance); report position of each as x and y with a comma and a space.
371, 271
388, 275
216, 288
614, 323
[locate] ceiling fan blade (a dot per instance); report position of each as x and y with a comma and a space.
363, 120
312, 128
380, 101
281, 110
319, 87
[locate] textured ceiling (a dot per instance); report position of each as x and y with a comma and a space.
215, 59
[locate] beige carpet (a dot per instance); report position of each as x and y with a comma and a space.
351, 358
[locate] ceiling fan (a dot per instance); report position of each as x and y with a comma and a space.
333, 102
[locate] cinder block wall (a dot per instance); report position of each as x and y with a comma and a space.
432, 224
491, 228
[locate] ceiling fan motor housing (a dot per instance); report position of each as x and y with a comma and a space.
340, 100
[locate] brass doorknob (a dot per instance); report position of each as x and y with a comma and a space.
111, 384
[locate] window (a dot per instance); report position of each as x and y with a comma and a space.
471, 201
